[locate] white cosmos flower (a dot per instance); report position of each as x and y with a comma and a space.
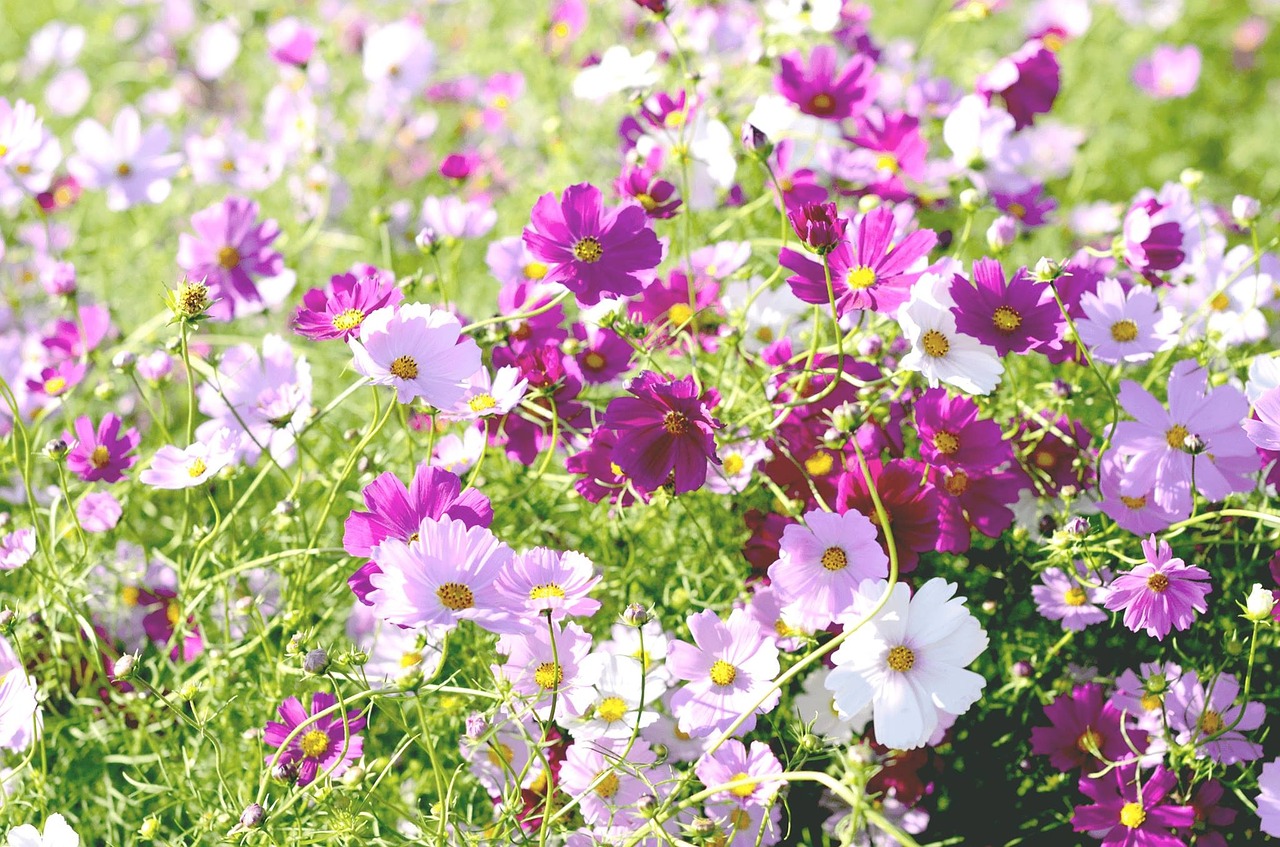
616, 708
816, 708
909, 663
938, 350
57, 833
618, 71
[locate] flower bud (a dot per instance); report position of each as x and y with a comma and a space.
150, 827
1001, 233
125, 666
1022, 669
316, 662
427, 240
819, 226
1077, 526
477, 725
1260, 604
1245, 211
701, 827
970, 200
7, 621
294, 647
636, 614
1191, 178
353, 777
756, 141
56, 449
1194, 444
1062, 389
252, 816
286, 772
124, 361
1046, 270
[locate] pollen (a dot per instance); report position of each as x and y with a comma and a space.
1210, 722
228, 257
957, 483
734, 463
821, 104
1158, 582
404, 367
679, 314
348, 320
1132, 815
608, 786
901, 659
229, 165
647, 201
546, 591
935, 344
1089, 741
1075, 596
314, 744
593, 361
4, 148
588, 250
834, 559
1134, 502
129, 595
820, 463
1176, 436
196, 468
611, 709
481, 402
408, 660
1018, 210
100, 458
1151, 702
55, 385
124, 169
535, 270
1044, 459
860, 278
723, 674
745, 789
887, 162
946, 443
455, 596
675, 423
1124, 331
787, 185
548, 675
1006, 319
173, 614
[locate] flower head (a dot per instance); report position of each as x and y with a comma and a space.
665, 431
726, 669
1131, 814
130, 165
1207, 716
1084, 731
230, 251
326, 746
551, 582
1124, 327
938, 350
338, 310
173, 467
1072, 600
823, 88
103, 453
1012, 316
418, 350
733, 761
952, 435
822, 562
1163, 594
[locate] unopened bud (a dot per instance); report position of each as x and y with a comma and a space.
1077, 526
701, 827
1245, 211
150, 827
252, 816
756, 141
636, 614
1191, 178
286, 772
1046, 270
970, 200
316, 661
1022, 669
1001, 233
124, 361
427, 240
1194, 444
125, 666
477, 725
1260, 604
56, 449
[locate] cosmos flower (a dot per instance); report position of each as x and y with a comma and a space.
419, 350
20, 715
952, 435
665, 431
338, 310
545, 666
822, 562
608, 781
103, 454
57, 833
489, 396
824, 89
173, 467
1153, 239
1027, 82
1124, 326
550, 582
1012, 316
229, 252
733, 761
1074, 601
620, 696
1207, 716
937, 349
1268, 798
327, 746
130, 165
1129, 813
727, 668
1084, 732
17, 548
1169, 72
1160, 595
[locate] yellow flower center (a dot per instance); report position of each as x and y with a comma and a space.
821, 104
957, 483
588, 250
860, 278
887, 162
55, 385
820, 463
611, 709
500, 754
1124, 331
1134, 502
1018, 210
1089, 741
734, 463
1044, 459
1211, 722
173, 614
404, 367
1158, 582
786, 184
679, 314
228, 257
228, 165
481, 402
594, 361
647, 202
124, 169
723, 673
560, 30
745, 789
314, 744
535, 270
1075, 596
408, 660
740, 818
455, 596
1151, 702
935, 344
547, 591
901, 659
548, 675
675, 423
1006, 319
1176, 436
196, 468
946, 443
129, 595
835, 559
608, 786
100, 458
348, 320
62, 195
1220, 302
1132, 815
4, 148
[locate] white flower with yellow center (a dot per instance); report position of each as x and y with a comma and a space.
621, 696
938, 350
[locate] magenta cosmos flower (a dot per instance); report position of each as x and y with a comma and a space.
912, 506
593, 251
952, 435
870, 273
1012, 316
325, 746
665, 431
1163, 594
102, 454
1027, 82
727, 668
818, 225
1128, 814
822, 562
1208, 718
824, 88
230, 250
339, 310
1153, 239
419, 351
1081, 726
549, 582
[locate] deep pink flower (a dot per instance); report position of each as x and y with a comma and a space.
603, 356
325, 747
819, 226
1013, 316
912, 507
230, 251
1129, 814
952, 435
824, 88
1207, 802
891, 147
665, 431
983, 498
593, 251
102, 454
1078, 725
1153, 239
1027, 81
640, 183
602, 478
1164, 593
338, 310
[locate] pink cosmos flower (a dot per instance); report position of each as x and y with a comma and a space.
1265, 430
291, 42
600, 476
1127, 813
446, 575
822, 562
952, 435
99, 511
453, 217
17, 548
327, 746
547, 581
130, 165
1027, 82
733, 761
665, 432
1012, 316
1030, 208
338, 310
229, 252
1209, 718
103, 454
1082, 727
20, 719
593, 251
547, 663
1164, 593
1169, 72
489, 396
725, 671
418, 350
30, 152
1124, 326
1073, 601
608, 783
824, 89
173, 468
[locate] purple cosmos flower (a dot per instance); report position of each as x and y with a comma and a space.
604, 355
819, 226
1128, 814
870, 273
726, 670
1139, 514
29, 153
1153, 239
17, 548
129, 165
1158, 446
1027, 81
58, 379
608, 783
951, 434
1268, 799
822, 562
1169, 72
1071, 600
1013, 317
291, 42
103, 454
593, 251
547, 662
1030, 208
1124, 327
889, 147
418, 350
640, 182
338, 310
823, 88
327, 746
1210, 719
733, 761
99, 511
665, 432
1207, 802
1162, 594
1141, 696
230, 250
548, 581
1265, 431
1080, 727
174, 468
602, 478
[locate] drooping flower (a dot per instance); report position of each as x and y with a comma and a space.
103, 454
593, 251
952, 435
230, 251
1124, 326
418, 350
938, 350
1012, 316
173, 467
1027, 82
338, 310
1162, 594
910, 662
726, 670
551, 582
1208, 717
823, 561
130, 165
1072, 600
823, 88
733, 761
327, 746
665, 431
1084, 732
1127, 813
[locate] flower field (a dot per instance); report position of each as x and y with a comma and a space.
640, 423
